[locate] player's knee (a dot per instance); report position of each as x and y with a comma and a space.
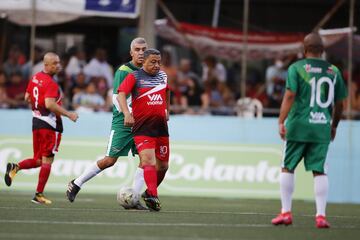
316, 173
285, 170
47, 160
38, 162
147, 159
106, 162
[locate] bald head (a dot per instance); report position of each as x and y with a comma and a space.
49, 57
51, 63
313, 44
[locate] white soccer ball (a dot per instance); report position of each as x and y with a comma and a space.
127, 198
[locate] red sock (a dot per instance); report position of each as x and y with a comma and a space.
28, 163
160, 176
43, 176
151, 179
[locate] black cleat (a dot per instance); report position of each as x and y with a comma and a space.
11, 170
145, 195
152, 202
72, 191
137, 206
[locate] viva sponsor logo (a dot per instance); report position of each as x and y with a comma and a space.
317, 118
155, 99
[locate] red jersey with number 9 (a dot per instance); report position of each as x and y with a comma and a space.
42, 86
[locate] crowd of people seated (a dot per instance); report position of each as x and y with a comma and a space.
87, 82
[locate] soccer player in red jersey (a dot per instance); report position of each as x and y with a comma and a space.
44, 95
150, 113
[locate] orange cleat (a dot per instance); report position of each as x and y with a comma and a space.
282, 218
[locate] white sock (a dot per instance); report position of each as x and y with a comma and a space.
321, 188
88, 174
286, 190
139, 181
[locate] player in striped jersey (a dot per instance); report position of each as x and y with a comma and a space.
150, 113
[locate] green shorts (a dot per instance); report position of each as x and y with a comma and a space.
120, 143
314, 155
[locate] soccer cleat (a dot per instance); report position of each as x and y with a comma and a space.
11, 170
72, 191
152, 202
137, 206
282, 218
39, 198
144, 194
321, 222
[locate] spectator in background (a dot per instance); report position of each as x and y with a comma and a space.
27, 70
255, 88
187, 87
212, 69
275, 82
16, 91
257, 91
101, 86
4, 100
88, 101
109, 100
190, 84
78, 85
98, 66
76, 63
171, 71
12, 65
217, 98
355, 97
186, 73
355, 87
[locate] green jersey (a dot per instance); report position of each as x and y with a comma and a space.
121, 138
317, 85
120, 75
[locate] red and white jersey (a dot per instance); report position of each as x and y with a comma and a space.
42, 86
148, 102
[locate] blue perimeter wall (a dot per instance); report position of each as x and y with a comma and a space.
343, 156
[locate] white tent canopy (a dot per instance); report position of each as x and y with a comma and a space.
50, 12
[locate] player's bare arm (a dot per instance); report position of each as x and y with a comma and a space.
51, 104
337, 113
128, 118
286, 104
27, 98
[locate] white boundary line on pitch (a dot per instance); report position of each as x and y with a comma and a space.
174, 211
12, 235
127, 224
